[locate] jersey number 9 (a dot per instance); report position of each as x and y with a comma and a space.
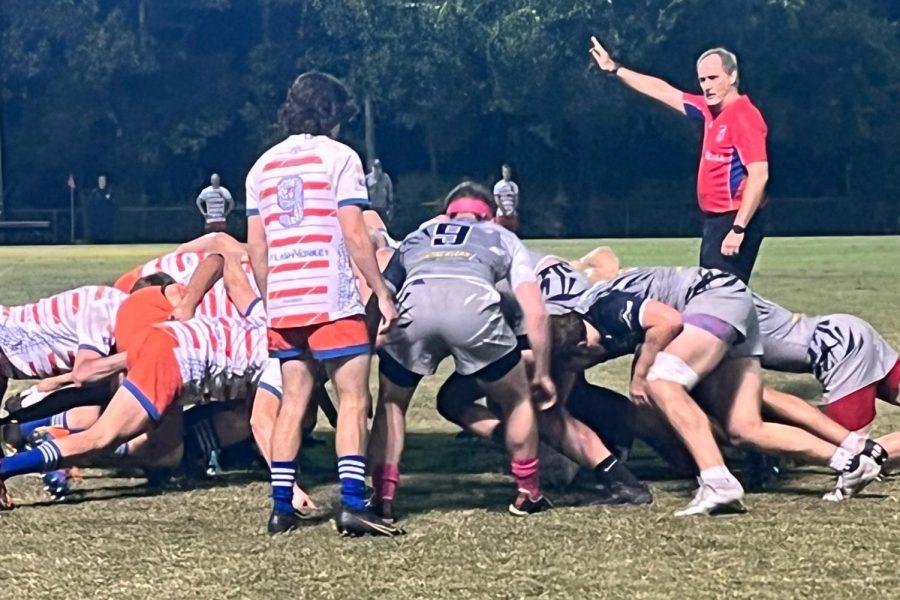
450, 234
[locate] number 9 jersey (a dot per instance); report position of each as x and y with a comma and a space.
446, 274
462, 249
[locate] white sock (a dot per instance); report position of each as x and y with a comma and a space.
854, 443
719, 474
840, 459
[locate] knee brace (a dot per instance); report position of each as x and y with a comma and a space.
668, 367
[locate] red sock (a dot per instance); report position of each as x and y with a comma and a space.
385, 479
527, 475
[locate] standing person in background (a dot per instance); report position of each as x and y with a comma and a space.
215, 203
506, 196
381, 191
734, 167
99, 214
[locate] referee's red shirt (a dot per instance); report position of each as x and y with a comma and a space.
732, 139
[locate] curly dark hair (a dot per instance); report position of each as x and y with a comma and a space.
471, 189
316, 103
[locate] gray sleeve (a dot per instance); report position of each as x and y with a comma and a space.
520, 267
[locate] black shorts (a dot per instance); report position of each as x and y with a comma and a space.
715, 228
605, 411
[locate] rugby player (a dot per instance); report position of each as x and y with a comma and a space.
560, 287
305, 197
715, 355
446, 274
852, 362
166, 361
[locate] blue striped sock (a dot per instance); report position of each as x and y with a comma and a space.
41, 459
28, 427
352, 473
283, 475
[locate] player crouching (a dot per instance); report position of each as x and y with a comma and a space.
449, 305
165, 361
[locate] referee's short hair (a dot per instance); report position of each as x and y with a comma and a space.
315, 104
729, 60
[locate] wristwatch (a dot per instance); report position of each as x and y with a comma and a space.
615, 69
738, 229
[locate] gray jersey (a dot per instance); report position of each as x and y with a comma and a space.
786, 337
449, 276
843, 352
561, 285
463, 249
689, 290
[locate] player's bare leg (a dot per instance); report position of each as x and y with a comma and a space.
122, 420
350, 377
457, 401
512, 393
298, 379
386, 445
690, 356
733, 393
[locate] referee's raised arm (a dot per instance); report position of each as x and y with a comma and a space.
648, 85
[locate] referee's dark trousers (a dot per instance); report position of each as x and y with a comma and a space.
715, 227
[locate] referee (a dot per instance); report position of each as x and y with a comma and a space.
734, 168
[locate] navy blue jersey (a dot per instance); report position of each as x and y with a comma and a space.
617, 316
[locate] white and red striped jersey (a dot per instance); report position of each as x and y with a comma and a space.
41, 339
296, 188
220, 358
181, 266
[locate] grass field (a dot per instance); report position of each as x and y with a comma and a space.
122, 540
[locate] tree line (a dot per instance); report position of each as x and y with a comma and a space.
159, 94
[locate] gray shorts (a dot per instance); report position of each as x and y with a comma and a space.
729, 300
441, 317
847, 355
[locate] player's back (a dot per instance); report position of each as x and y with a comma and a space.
219, 357
561, 285
459, 248
181, 267
673, 286
42, 338
786, 336
297, 188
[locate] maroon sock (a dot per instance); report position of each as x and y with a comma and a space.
527, 475
385, 479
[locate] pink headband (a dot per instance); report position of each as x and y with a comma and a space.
469, 204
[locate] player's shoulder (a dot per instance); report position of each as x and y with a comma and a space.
332, 149
695, 105
748, 113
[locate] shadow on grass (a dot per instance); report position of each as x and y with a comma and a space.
440, 472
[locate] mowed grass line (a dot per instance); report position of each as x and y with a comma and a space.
209, 542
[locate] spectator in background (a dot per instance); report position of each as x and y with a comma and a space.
214, 203
506, 196
99, 214
381, 191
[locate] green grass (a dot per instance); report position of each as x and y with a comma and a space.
209, 542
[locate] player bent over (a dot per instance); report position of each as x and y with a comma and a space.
305, 197
716, 356
560, 287
447, 274
166, 361
854, 364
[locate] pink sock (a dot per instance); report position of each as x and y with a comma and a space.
385, 479
527, 476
